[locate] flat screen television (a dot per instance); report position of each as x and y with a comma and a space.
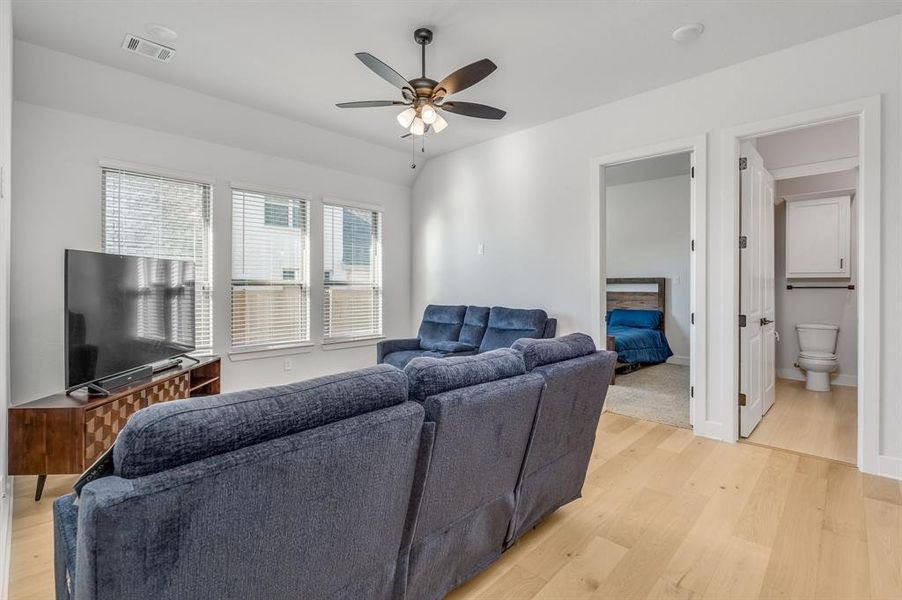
125, 312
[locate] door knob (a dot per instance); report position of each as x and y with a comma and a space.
765, 321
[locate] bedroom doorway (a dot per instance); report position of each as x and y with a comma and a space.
647, 305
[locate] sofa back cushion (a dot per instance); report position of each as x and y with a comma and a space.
170, 434
545, 351
476, 320
507, 325
440, 324
430, 376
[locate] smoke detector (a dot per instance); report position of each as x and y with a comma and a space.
146, 48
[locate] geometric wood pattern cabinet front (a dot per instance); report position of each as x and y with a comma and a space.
104, 423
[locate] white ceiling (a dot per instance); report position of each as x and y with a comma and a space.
296, 59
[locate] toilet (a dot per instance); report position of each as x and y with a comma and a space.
817, 344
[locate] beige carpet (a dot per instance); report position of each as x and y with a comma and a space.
657, 393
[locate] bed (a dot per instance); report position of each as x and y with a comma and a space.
635, 321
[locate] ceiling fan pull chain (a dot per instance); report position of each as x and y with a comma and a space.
413, 152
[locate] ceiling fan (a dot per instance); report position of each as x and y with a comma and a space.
425, 97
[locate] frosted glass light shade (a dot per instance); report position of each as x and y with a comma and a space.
439, 123
406, 117
428, 114
418, 127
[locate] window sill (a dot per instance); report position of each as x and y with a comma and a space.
239, 354
352, 343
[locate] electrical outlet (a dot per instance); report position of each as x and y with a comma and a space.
480, 249
286, 364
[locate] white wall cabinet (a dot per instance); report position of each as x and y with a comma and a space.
818, 234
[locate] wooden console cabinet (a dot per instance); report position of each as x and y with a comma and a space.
64, 434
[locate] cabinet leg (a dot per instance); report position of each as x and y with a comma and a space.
39, 490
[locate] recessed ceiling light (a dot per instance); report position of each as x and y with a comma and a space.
688, 32
161, 32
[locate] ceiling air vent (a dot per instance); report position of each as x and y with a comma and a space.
147, 48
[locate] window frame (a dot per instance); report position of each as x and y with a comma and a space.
351, 341
286, 347
112, 164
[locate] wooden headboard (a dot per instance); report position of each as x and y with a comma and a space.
631, 292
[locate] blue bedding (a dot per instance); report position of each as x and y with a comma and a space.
636, 345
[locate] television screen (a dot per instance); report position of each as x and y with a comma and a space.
123, 312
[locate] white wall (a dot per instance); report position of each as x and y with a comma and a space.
6, 80
57, 206
526, 196
835, 306
647, 225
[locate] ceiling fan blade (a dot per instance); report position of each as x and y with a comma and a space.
464, 77
471, 109
370, 103
383, 70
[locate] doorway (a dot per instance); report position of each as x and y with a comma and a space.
652, 293
647, 309
798, 345
863, 260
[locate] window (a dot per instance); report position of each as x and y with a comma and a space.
161, 217
352, 273
279, 213
270, 292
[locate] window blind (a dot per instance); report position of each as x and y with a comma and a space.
352, 273
270, 288
161, 217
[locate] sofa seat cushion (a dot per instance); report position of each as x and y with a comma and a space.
452, 347
171, 434
476, 320
65, 534
400, 358
440, 324
538, 352
507, 325
430, 376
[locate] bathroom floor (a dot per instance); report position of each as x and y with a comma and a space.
823, 424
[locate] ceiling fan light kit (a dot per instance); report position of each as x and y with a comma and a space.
425, 97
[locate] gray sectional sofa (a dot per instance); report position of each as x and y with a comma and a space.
377, 483
458, 330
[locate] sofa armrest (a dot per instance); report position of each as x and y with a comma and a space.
385, 347
550, 328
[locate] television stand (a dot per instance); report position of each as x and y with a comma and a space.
63, 434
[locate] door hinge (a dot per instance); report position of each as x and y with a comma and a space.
743, 242
840, 263
692, 245
742, 320
692, 173
692, 391
741, 399
692, 318
743, 163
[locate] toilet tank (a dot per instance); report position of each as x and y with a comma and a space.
817, 337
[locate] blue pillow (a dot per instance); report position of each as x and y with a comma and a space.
638, 318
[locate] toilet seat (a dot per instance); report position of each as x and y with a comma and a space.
815, 355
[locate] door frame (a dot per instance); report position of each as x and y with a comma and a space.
868, 267
697, 145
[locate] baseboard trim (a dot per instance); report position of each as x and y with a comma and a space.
890, 466
678, 360
799, 375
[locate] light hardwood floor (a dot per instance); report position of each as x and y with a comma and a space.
663, 515
821, 424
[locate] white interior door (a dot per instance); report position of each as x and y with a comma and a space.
756, 290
